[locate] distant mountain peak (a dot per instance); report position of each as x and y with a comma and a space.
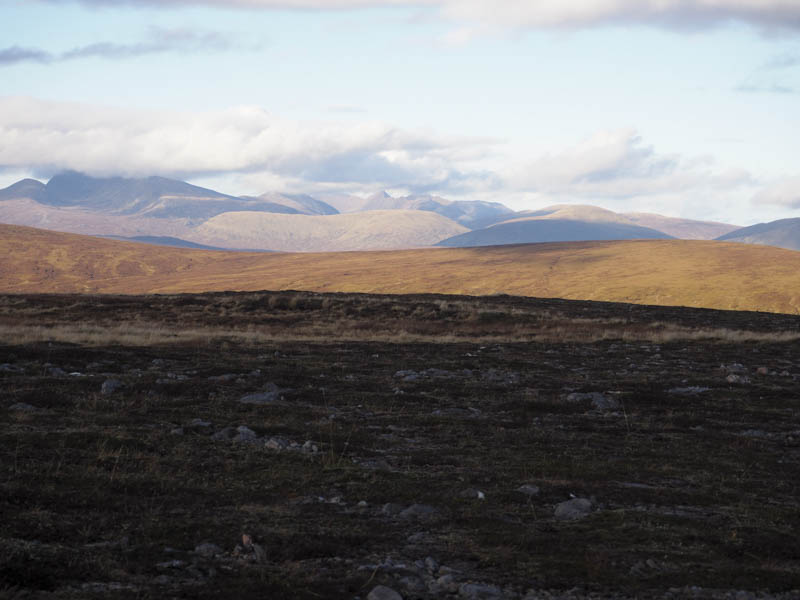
24, 188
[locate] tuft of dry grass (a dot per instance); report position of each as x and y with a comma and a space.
300, 317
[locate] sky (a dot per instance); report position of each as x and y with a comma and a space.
687, 108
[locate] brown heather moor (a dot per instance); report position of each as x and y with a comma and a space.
662, 272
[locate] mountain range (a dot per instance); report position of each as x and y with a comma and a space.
151, 209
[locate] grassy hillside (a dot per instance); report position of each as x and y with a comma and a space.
687, 229
665, 272
783, 233
375, 230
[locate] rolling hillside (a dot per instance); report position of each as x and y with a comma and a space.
470, 213
666, 272
373, 230
783, 233
562, 223
685, 229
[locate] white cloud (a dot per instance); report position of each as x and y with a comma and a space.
784, 193
257, 151
52, 136
618, 165
157, 41
681, 14
516, 14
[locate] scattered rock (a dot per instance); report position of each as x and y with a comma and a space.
472, 494
171, 564
56, 372
245, 435
688, 391
198, 423
500, 377
572, 510
446, 584
9, 368
23, 407
412, 583
431, 564
208, 550
528, 489
407, 375
223, 378
456, 412
418, 511
605, 403
276, 443
734, 378
271, 393
225, 434
110, 386
479, 591
576, 397
256, 551
177, 431
381, 592
391, 509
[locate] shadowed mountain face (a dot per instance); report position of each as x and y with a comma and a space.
686, 229
783, 233
557, 224
25, 188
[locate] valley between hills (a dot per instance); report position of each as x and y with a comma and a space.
704, 274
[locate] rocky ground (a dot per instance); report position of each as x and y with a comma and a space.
624, 459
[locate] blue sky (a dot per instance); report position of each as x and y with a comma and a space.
683, 108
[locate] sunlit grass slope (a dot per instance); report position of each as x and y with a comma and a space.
667, 272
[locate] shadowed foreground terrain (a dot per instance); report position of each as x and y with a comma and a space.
302, 445
666, 272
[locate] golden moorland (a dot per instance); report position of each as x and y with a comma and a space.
663, 272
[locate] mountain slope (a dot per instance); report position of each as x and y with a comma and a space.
151, 197
163, 240
301, 203
562, 223
312, 233
470, 213
685, 229
25, 188
783, 233
666, 272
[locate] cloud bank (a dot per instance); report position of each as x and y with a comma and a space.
158, 41
617, 164
51, 136
358, 156
565, 14
785, 193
